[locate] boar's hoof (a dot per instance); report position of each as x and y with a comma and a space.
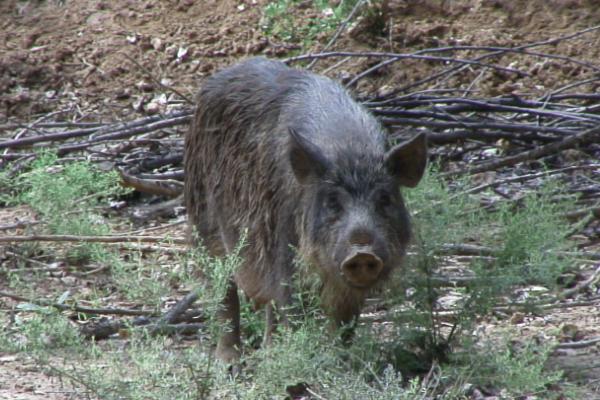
228, 353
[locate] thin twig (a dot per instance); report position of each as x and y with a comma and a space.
157, 81
338, 31
566, 143
375, 54
169, 188
578, 345
76, 308
581, 286
18, 225
523, 178
93, 239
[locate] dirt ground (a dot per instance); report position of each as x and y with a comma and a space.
97, 58
90, 60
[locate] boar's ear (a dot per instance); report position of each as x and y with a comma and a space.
407, 161
307, 160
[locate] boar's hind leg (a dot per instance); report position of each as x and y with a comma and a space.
228, 347
229, 344
276, 311
275, 314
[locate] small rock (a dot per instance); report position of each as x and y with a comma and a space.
517, 318
572, 155
182, 54
144, 86
29, 40
138, 105
257, 47
123, 94
206, 67
144, 43
210, 39
157, 44
184, 5
152, 108
344, 76
171, 51
384, 90
571, 332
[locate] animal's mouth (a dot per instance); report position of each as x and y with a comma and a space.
357, 286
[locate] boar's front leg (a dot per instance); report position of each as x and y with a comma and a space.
276, 310
270, 324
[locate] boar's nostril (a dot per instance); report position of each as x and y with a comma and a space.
352, 266
362, 269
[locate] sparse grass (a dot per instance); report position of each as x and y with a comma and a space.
73, 198
519, 371
66, 197
375, 366
43, 329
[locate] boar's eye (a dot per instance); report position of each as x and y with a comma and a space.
332, 203
384, 200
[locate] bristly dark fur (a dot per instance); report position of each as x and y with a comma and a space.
238, 176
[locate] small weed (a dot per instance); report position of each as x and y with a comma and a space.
531, 237
527, 239
45, 329
279, 21
519, 371
65, 196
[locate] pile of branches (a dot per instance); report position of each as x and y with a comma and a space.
149, 151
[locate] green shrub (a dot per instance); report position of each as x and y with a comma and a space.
518, 368
66, 197
279, 21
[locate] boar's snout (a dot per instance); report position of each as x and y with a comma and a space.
362, 267
364, 258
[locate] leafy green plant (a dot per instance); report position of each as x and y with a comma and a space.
526, 238
519, 370
279, 21
44, 329
66, 197
531, 237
